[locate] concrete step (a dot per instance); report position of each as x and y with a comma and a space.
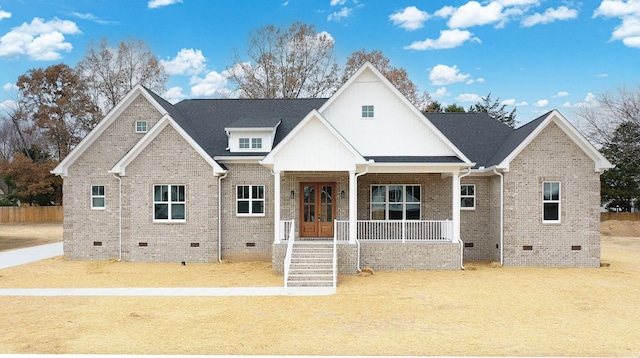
321, 283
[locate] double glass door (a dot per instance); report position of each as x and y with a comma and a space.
317, 209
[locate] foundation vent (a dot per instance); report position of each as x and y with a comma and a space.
251, 244
527, 247
97, 243
195, 244
576, 247
468, 244
143, 244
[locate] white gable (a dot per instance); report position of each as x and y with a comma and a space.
397, 128
313, 146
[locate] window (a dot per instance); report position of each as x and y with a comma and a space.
244, 143
395, 202
468, 197
97, 197
169, 203
250, 200
256, 143
551, 202
141, 126
367, 111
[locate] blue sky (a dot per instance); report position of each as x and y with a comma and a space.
536, 55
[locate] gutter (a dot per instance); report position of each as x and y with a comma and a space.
220, 216
119, 216
501, 215
459, 239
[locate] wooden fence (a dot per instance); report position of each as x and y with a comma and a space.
620, 216
30, 214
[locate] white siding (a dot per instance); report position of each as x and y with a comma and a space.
234, 144
395, 129
315, 148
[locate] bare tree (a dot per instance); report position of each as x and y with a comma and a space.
110, 72
296, 62
598, 122
396, 75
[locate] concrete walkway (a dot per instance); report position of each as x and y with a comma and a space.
24, 256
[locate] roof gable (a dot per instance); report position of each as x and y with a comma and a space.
62, 168
524, 135
396, 127
121, 166
313, 145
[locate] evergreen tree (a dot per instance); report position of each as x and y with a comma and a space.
620, 186
495, 110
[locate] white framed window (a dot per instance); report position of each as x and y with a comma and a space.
243, 143
250, 200
467, 197
141, 126
367, 111
97, 197
551, 202
395, 202
256, 143
169, 203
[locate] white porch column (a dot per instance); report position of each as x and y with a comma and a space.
353, 200
276, 206
455, 206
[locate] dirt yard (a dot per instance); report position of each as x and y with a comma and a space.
486, 310
17, 236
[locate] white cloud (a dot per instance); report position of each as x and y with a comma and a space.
174, 95
9, 86
410, 18
629, 12
186, 62
518, 2
4, 14
590, 100
567, 105
447, 39
443, 75
474, 14
468, 97
152, 4
337, 2
339, 15
513, 102
440, 92
541, 103
550, 15
8, 105
209, 86
561, 94
477, 80
40, 40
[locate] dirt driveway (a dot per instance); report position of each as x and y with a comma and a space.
484, 311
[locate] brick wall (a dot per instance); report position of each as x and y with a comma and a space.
552, 156
83, 226
476, 226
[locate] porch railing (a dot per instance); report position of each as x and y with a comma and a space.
397, 230
287, 258
286, 229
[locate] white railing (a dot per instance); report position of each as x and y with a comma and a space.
397, 230
286, 229
335, 255
287, 258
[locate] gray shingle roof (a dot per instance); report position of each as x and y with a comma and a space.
480, 137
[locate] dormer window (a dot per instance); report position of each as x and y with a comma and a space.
252, 135
141, 126
256, 143
243, 143
367, 111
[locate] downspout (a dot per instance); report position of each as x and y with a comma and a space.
119, 216
366, 169
220, 216
501, 216
462, 243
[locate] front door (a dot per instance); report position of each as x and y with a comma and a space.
317, 209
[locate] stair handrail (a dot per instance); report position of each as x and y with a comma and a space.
287, 258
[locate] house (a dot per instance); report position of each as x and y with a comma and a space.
239, 179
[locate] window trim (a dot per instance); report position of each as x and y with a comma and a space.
552, 201
464, 196
251, 200
97, 196
368, 111
146, 127
241, 144
169, 202
256, 143
403, 202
